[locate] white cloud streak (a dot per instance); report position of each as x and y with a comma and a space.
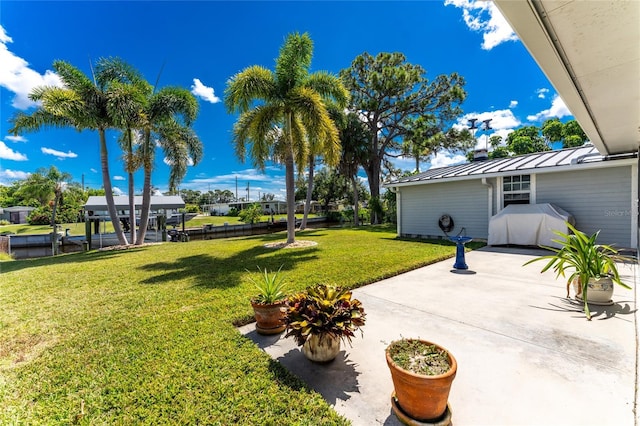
58, 154
18, 78
15, 138
558, 109
7, 153
542, 93
13, 175
204, 92
484, 17
119, 178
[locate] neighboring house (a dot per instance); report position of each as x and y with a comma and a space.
96, 207
16, 215
268, 207
599, 191
589, 52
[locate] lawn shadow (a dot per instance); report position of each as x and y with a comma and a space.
209, 271
66, 258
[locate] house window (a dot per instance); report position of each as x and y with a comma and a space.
516, 189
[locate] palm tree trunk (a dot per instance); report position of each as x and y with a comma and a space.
132, 201
132, 209
307, 202
146, 189
106, 182
356, 201
146, 206
291, 199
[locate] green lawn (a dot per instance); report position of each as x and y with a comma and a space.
147, 335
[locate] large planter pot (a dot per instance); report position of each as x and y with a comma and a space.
269, 317
422, 397
321, 347
599, 290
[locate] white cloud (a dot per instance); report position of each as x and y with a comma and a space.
542, 93
513, 104
58, 154
558, 109
502, 123
15, 138
7, 175
7, 153
204, 92
18, 78
119, 178
170, 163
258, 181
484, 17
93, 170
444, 159
117, 191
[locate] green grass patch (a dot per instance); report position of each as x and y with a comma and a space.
146, 335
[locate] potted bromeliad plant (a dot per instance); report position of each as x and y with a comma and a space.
591, 266
268, 305
320, 317
422, 374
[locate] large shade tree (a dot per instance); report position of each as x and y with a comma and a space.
388, 92
80, 103
282, 110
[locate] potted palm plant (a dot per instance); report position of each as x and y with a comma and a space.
320, 317
591, 266
422, 374
268, 304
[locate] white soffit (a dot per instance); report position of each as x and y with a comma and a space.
590, 52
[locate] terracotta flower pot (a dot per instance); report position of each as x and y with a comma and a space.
321, 347
422, 397
269, 317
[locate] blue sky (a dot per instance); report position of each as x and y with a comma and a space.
200, 45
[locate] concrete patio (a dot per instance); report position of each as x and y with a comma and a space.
526, 354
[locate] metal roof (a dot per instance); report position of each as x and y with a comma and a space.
99, 203
541, 161
589, 51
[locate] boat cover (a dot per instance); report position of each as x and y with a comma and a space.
528, 225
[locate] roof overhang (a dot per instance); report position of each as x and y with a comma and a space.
590, 52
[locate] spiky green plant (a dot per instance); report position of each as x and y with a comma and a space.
271, 287
582, 257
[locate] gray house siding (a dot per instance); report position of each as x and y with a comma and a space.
599, 199
422, 205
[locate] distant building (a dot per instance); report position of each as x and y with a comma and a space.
15, 215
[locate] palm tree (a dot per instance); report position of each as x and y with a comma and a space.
166, 118
148, 117
126, 98
291, 99
82, 104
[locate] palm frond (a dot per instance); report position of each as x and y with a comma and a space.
293, 62
330, 87
248, 86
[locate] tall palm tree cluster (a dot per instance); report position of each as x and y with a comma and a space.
117, 97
